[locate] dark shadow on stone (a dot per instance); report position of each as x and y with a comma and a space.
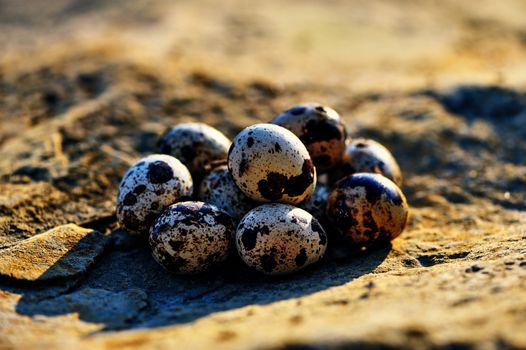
411, 342
345, 345
128, 289
92, 83
35, 173
493, 103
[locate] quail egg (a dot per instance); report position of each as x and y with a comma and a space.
218, 188
317, 202
368, 209
279, 238
270, 164
195, 145
368, 156
320, 129
191, 237
148, 187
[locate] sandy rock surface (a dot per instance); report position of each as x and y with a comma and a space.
60, 253
86, 90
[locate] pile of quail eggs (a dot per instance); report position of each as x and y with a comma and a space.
264, 195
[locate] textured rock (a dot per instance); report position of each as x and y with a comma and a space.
73, 118
114, 309
63, 252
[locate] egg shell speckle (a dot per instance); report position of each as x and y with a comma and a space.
195, 145
279, 239
317, 202
368, 156
191, 237
320, 128
368, 209
269, 163
148, 187
218, 188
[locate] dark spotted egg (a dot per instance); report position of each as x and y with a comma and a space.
368, 209
317, 202
320, 129
195, 145
148, 187
279, 239
191, 237
270, 164
368, 156
218, 188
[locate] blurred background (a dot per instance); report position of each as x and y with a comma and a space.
364, 45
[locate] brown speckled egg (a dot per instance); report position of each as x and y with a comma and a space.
270, 164
279, 239
317, 202
147, 188
195, 145
218, 188
368, 156
191, 237
368, 208
320, 129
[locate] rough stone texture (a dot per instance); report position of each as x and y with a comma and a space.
66, 251
114, 309
440, 83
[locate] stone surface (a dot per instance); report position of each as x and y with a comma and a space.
441, 84
66, 251
113, 309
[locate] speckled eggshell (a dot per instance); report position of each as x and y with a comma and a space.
368, 209
218, 188
148, 187
317, 202
195, 145
191, 237
368, 156
320, 128
270, 164
279, 239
